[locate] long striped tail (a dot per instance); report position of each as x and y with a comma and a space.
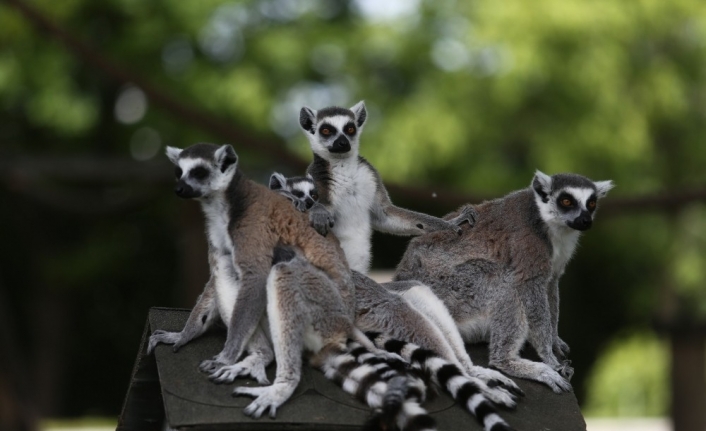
464, 390
380, 383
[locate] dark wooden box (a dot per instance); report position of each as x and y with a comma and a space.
168, 386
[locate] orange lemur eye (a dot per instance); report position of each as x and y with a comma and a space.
566, 202
325, 131
591, 205
315, 196
350, 130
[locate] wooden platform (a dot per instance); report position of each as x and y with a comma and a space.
169, 386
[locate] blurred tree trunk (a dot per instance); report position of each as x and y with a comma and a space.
17, 409
688, 379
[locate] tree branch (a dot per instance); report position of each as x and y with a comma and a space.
187, 113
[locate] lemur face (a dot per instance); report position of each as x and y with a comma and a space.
334, 132
300, 189
568, 199
202, 169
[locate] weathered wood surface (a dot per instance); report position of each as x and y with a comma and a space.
191, 400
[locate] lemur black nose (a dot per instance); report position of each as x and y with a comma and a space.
583, 222
184, 190
309, 203
340, 145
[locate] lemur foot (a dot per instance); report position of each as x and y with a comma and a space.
554, 380
566, 370
252, 365
209, 366
321, 220
267, 397
467, 214
560, 348
495, 378
160, 336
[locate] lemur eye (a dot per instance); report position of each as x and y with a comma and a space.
566, 202
298, 193
178, 172
325, 131
350, 130
591, 205
315, 196
199, 173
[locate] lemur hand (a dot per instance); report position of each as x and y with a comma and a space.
560, 348
466, 214
320, 219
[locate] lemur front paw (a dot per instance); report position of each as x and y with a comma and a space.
160, 336
560, 348
253, 366
566, 370
467, 214
554, 380
494, 378
267, 398
209, 366
320, 219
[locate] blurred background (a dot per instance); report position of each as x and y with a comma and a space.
465, 99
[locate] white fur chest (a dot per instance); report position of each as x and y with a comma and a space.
564, 241
225, 272
352, 195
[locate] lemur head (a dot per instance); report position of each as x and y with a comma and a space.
202, 169
302, 188
334, 132
568, 199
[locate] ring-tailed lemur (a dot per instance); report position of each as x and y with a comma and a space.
500, 280
395, 312
264, 255
352, 197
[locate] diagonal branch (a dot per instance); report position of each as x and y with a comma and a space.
181, 111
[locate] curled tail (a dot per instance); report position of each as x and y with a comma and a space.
381, 384
462, 389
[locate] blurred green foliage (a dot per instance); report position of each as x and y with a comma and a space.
630, 379
467, 95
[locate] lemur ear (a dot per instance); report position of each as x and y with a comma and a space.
173, 154
307, 119
603, 187
225, 157
277, 181
542, 185
361, 114
309, 177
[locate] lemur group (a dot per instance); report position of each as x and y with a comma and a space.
288, 267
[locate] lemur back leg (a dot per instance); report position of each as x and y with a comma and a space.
422, 299
259, 356
541, 331
509, 330
298, 295
249, 307
202, 317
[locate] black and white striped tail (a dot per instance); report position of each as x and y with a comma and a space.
381, 384
447, 375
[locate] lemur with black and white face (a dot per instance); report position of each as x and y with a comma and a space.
352, 198
405, 317
265, 256
500, 279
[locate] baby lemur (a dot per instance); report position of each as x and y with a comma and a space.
423, 332
352, 198
264, 255
500, 280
